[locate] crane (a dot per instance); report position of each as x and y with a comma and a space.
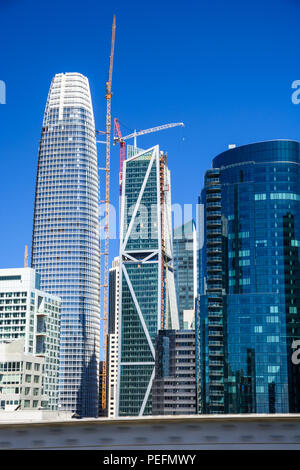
26, 257
108, 97
122, 148
121, 140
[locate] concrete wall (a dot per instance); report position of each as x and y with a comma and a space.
178, 433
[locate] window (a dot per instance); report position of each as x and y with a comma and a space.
272, 319
244, 253
289, 196
10, 278
244, 282
261, 243
272, 339
260, 197
273, 369
244, 262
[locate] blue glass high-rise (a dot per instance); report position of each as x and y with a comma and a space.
185, 268
65, 246
249, 307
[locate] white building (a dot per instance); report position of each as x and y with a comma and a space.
114, 293
29, 342
21, 378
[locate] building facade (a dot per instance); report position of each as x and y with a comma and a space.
21, 379
65, 245
174, 386
147, 288
185, 267
113, 339
249, 307
29, 342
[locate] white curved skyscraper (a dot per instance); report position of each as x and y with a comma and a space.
65, 244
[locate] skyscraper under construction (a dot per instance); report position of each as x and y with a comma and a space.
147, 289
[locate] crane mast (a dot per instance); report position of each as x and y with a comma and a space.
107, 201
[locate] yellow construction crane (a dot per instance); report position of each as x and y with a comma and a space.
107, 200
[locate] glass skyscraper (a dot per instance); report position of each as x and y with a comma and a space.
147, 288
249, 306
185, 267
65, 245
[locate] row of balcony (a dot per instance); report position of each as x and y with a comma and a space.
213, 187
218, 404
216, 353
212, 199
212, 215
215, 343
218, 323
216, 373
213, 231
214, 241
215, 333
211, 205
216, 394
214, 266
216, 383
217, 288
214, 277
213, 178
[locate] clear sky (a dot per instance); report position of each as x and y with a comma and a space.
223, 68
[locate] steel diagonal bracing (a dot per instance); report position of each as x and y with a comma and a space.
147, 393
139, 311
136, 208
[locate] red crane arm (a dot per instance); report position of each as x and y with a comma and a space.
117, 131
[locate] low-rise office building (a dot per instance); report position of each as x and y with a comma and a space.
21, 378
29, 342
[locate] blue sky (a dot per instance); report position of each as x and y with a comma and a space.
223, 68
